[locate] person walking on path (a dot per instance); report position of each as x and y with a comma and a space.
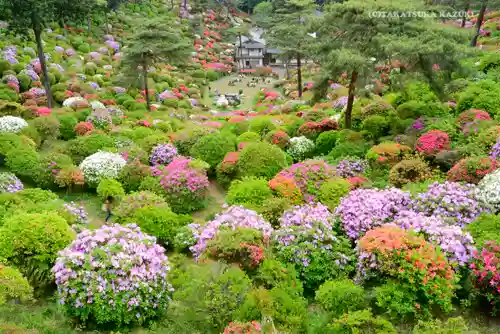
108, 207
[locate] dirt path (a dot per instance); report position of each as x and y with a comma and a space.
217, 199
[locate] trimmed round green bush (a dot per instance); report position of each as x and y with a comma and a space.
31, 242
47, 127
485, 228
13, 286
326, 142
159, 221
332, 191
24, 163
261, 160
409, 171
249, 190
248, 137
213, 148
261, 125
110, 187
376, 126
67, 124
339, 297
84, 146
134, 201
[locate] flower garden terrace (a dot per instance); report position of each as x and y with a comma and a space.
276, 218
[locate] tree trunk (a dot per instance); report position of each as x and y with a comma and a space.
172, 5
350, 99
106, 21
464, 18
299, 75
239, 36
479, 21
41, 55
145, 75
287, 71
184, 4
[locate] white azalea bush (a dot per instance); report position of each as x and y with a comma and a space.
12, 124
489, 189
300, 148
102, 165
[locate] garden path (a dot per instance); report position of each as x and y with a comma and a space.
217, 197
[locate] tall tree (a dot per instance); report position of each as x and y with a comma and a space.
352, 40
24, 16
262, 14
161, 40
290, 33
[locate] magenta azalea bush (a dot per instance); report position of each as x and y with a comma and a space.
365, 209
115, 275
232, 217
163, 154
451, 200
185, 184
457, 244
308, 176
307, 239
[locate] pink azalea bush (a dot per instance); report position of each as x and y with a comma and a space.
486, 273
185, 184
433, 142
231, 218
113, 275
308, 176
365, 209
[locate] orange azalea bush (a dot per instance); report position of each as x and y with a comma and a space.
286, 188
416, 265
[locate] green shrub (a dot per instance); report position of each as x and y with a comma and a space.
288, 311
261, 125
249, 190
186, 138
212, 75
248, 137
13, 286
485, 228
110, 187
31, 242
396, 300
481, 95
67, 124
326, 142
362, 322
213, 148
159, 221
273, 208
332, 191
44, 178
354, 149
47, 127
11, 141
134, 201
419, 91
376, 126
24, 163
339, 297
261, 160
207, 295
151, 141
82, 147
11, 109
452, 326
409, 171
133, 174
274, 274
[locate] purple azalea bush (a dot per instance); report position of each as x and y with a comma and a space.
9, 183
307, 239
232, 217
495, 150
351, 167
451, 200
364, 209
113, 275
457, 244
78, 212
163, 154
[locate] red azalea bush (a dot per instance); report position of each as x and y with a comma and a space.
433, 142
486, 272
83, 128
243, 328
279, 138
43, 111
472, 115
357, 181
472, 170
226, 170
312, 129
416, 265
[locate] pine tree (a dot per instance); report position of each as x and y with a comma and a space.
161, 40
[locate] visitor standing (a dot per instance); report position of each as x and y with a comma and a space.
108, 207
